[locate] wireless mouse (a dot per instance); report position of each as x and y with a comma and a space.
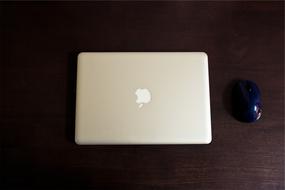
246, 101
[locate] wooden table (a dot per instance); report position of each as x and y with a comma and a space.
39, 44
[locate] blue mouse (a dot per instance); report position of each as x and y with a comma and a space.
246, 101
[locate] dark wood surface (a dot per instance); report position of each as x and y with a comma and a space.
39, 44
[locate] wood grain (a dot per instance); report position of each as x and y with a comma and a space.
39, 44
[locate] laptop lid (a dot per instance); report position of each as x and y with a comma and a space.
142, 98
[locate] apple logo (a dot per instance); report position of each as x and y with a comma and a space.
143, 96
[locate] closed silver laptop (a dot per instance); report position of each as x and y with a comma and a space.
143, 98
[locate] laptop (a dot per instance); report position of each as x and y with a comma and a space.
142, 98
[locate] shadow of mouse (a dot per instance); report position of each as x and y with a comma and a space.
227, 96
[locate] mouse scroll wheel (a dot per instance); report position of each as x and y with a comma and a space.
248, 87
